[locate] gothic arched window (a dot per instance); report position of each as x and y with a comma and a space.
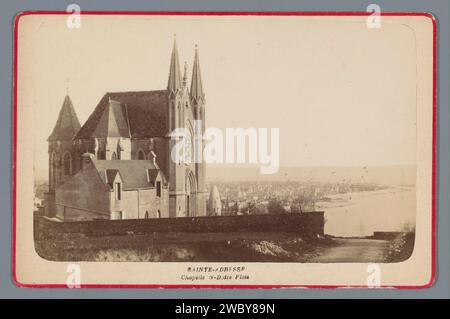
141, 155
53, 169
67, 164
119, 151
158, 189
114, 156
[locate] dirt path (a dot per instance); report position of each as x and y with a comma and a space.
352, 250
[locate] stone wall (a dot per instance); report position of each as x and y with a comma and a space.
135, 203
305, 224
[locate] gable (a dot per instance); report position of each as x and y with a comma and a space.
84, 179
112, 176
153, 176
112, 123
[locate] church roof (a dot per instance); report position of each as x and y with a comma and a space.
134, 173
141, 114
67, 124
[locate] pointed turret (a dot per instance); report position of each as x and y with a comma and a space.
196, 92
67, 124
185, 75
174, 83
214, 202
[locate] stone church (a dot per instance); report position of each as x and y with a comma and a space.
118, 165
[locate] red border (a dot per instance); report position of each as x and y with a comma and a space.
226, 13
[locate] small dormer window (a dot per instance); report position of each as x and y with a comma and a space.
158, 189
118, 190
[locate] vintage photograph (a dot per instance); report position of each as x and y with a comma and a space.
226, 139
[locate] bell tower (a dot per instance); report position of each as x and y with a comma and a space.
63, 162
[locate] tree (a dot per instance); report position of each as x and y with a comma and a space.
275, 207
234, 209
251, 208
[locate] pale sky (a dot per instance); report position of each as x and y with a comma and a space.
341, 94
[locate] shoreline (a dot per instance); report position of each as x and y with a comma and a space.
346, 198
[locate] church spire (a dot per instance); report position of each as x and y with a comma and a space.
174, 83
197, 93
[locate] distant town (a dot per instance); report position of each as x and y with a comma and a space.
267, 197
251, 198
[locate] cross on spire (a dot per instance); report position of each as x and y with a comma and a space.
67, 86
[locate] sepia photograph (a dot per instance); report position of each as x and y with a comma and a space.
225, 149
